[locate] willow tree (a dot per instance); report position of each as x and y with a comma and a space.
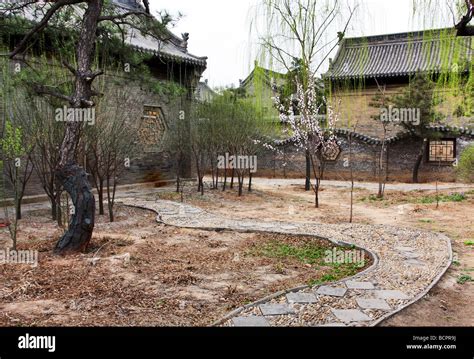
456, 72
88, 23
298, 36
459, 12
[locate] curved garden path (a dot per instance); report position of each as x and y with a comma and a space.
407, 264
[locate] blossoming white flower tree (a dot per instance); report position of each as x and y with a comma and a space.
309, 130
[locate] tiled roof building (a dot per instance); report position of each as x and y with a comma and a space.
366, 68
403, 54
171, 64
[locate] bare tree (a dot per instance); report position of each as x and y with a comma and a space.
381, 101
176, 143
112, 143
92, 18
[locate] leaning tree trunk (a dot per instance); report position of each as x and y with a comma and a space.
71, 176
416, 168
81, 225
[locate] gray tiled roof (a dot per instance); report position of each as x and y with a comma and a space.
401, 54
167, 50
173, 48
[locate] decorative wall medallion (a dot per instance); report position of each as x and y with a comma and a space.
152, 128
331, 153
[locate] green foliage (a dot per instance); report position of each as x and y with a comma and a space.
167, 88
425, 220
53, 45
308, 253
465, 168
2, 182
419, 94
452, 197
231, 124
378, 101
337, 272
12, 142
371, 198
463, 278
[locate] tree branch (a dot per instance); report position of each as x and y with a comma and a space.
43, 90
462, 26
42, 24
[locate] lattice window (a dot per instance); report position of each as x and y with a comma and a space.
152, 128
442, 151
151, 111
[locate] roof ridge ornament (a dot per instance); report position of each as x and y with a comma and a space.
184, 42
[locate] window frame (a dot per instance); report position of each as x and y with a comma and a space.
442, 162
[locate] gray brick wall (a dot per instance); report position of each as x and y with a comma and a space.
401, 159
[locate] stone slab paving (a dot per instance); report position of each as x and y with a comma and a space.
275, 309
351, 315
407, 263
331, 291
352, 284
368, 303
410, 255
301, 298
252, 321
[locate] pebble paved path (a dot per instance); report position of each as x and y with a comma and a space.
407, 264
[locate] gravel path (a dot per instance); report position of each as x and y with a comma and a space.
372, 186
407, 264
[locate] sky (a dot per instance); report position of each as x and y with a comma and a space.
220, 30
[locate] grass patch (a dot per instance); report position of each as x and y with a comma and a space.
312, 253
337, 272
371, 198
463, 278
425, 220
469, 243
416, 197
452, 197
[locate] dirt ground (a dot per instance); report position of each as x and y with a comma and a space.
449, 303
139, 272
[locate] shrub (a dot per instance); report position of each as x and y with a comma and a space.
465, 169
